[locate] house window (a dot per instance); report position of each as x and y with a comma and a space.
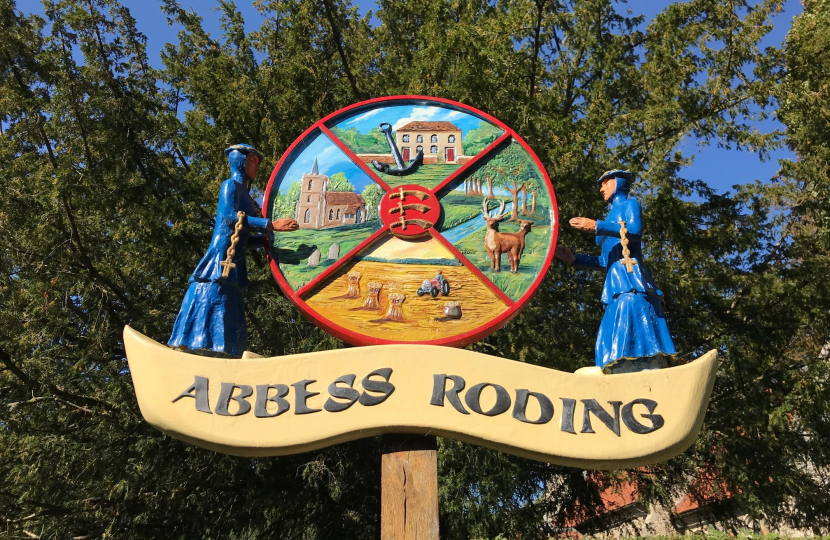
309, 199
419, 138
310, 182
307, 216
434, 138
331, 215
451, 138
433, 149
338, 213
405, 138
419, 149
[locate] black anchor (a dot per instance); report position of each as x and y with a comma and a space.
401, 170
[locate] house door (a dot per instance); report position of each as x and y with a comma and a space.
406, 154
450, 155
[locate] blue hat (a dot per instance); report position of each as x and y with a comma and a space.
616, 173
245, 149
624, 180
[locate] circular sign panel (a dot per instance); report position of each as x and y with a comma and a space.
422, 220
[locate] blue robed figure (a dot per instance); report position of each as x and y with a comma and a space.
211, 320
633, 334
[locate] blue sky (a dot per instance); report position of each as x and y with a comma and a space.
720, 168
330, 160
398, 115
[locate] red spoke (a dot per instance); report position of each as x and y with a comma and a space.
346, 150
343, 260
472, 163
471, 267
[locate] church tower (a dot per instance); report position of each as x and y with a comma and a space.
311, 207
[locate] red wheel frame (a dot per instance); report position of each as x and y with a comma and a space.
360, 338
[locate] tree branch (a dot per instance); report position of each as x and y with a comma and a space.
71, 399
340, 51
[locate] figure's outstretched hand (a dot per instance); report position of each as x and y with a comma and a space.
283, 225
565, 253
583, 224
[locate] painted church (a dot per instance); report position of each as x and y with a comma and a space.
319, 208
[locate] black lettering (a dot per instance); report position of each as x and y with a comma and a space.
199, 391
301, 395
226, 395
568, 406
335, 391
384, 387
439, 391
473, 399
611, 422
262, 399
634, 425
520, 408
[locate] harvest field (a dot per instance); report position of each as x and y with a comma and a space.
424, 318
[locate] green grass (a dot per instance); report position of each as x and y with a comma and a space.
427, 176
460, 208
536, 246
293, 249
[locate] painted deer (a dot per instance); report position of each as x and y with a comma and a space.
496, 242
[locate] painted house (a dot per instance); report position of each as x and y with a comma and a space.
319, 208
440, 141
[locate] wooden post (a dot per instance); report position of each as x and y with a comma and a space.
409, 488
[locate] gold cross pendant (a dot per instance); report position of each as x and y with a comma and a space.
627, 261
226, 267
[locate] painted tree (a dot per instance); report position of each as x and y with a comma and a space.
531, 188
372, 194
286, 204
472, 186
477, 139
339, 182
511, 168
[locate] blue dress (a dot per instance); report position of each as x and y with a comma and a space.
634, 325
211, 320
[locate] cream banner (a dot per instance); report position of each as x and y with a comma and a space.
285, 405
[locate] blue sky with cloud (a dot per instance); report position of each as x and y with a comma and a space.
330, 160
399, 115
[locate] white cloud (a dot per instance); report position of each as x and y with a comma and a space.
364, 116
426, 114
330, 154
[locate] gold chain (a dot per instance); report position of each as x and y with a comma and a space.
627, 261
227, 264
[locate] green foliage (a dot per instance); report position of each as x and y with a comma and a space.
477, 139
285, 206
339, 182
109, 197
373, 142
372, 194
